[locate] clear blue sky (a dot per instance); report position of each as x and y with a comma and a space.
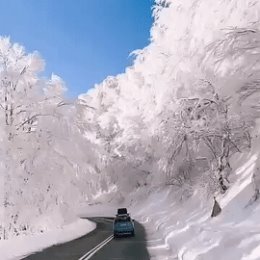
82, 41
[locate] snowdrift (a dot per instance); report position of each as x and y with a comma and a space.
17, 248
185, 230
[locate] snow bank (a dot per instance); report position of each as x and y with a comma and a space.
21, 246
186, 231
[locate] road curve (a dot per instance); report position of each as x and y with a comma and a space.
132, 248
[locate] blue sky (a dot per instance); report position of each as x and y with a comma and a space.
82, 41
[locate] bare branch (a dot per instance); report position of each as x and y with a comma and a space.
30, 119
63, 103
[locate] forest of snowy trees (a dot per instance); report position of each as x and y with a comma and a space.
175, 118
188, 103
46, 163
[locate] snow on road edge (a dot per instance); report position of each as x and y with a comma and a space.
22, 246
185, 230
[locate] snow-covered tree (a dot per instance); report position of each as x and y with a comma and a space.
45, 160
183, 109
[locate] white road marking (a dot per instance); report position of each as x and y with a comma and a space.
89, 254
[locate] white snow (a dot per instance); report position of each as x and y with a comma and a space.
21, 246
185, 230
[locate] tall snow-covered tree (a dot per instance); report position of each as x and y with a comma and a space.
45, 160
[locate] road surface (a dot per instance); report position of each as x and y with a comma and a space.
101, 240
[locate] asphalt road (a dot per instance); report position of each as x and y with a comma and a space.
130, 248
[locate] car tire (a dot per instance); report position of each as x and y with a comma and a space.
133, 234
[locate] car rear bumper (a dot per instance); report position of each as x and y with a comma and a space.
123, 233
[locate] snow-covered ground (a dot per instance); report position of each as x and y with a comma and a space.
16, 248
185, 230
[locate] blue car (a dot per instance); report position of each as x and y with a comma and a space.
124, 226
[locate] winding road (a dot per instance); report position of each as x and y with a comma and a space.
99, 245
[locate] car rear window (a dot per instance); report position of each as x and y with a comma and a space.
127, 219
